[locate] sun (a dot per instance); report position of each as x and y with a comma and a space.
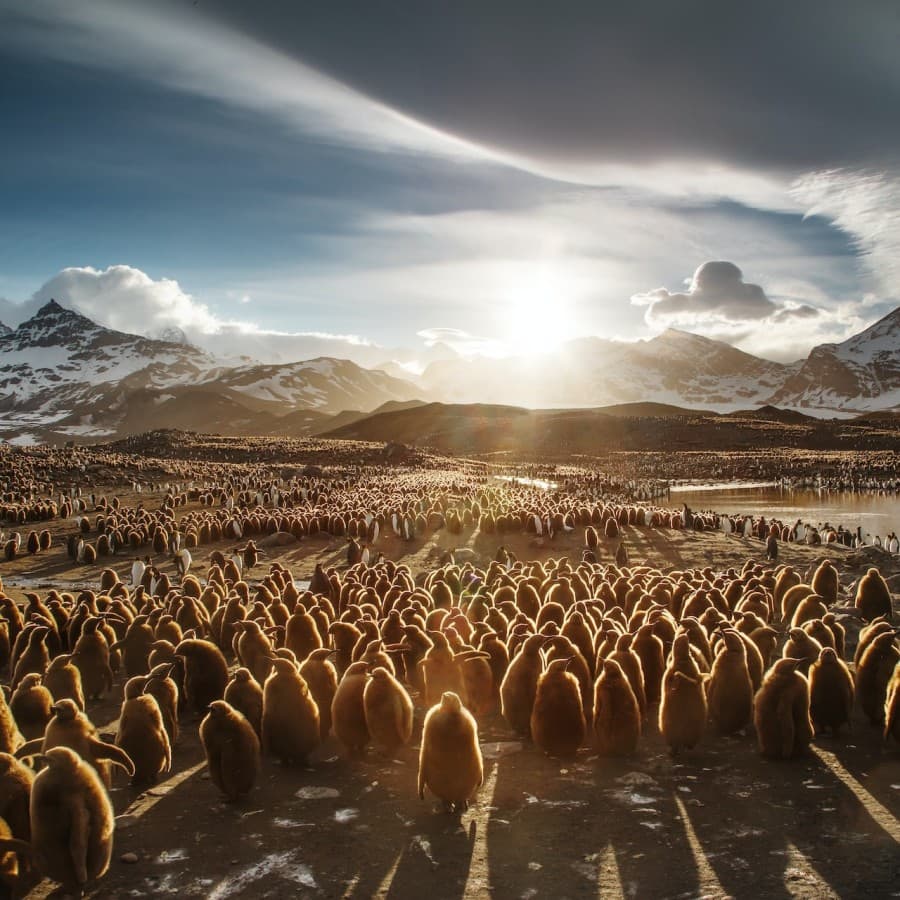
537, 317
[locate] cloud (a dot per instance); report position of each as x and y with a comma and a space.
182, 49
717, 294
460, 341
127, 299
721, 305
866, 205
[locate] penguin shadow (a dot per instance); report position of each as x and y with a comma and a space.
437, 858
588, 825
779, 828
649, 542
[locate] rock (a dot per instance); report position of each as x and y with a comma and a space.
129, 857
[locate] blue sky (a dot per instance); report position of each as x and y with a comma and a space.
286, 180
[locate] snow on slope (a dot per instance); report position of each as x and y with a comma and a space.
860, 374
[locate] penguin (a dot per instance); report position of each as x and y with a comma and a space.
892, 706
290, 722
831, 692
63, 680
72, 821
10, 736
348, 714
160, 684
682, 711
557, 716
730, 688
135, 647
519, 686
16, 780
322, 680
142, 734
70, 727
781, 712
244, 694
30, 705
873, 674
232, 750
450, 761
873, 597
205, 672
617, 716
92, 657
388, 711
825, 582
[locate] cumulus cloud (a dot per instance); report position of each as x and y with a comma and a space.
717, 294
721, 305
127, 299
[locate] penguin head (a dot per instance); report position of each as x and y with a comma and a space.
450, 702
65, 709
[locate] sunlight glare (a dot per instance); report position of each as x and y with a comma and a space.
537, 317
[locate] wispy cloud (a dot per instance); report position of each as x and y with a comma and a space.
866, 205
181, 49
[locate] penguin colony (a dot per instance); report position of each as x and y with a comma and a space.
574, 656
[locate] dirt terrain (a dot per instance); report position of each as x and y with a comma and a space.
718, 821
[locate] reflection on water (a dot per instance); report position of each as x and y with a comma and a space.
534, 482
875, 513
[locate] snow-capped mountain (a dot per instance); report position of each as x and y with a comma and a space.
62, 374
322, 384
860, 374
676, 367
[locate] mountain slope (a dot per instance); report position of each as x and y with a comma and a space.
860, 374
675, 368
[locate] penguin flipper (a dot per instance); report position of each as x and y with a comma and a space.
114, 754
31, 748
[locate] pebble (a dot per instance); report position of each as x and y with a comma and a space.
129, 857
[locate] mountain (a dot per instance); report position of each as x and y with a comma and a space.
860, 374
62, 375
59, 361
675, 368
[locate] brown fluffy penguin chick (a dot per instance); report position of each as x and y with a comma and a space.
232, 749
830, 692
617, 716
682, 712
71, 821
729, 691
71, 728
892, 707
246, 696
519, 686
31, 706
450, 763
16, 780
873, 597
10, 736
348, 712
873, 674
91, 655
142, 733
321, 677
557, 717
290, 723
63, 680
205, 673
388, 711
160, 684
781, 712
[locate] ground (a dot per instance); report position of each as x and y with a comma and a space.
717, 821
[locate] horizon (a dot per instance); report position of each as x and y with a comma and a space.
337, 194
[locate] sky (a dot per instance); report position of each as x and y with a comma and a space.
381, 180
